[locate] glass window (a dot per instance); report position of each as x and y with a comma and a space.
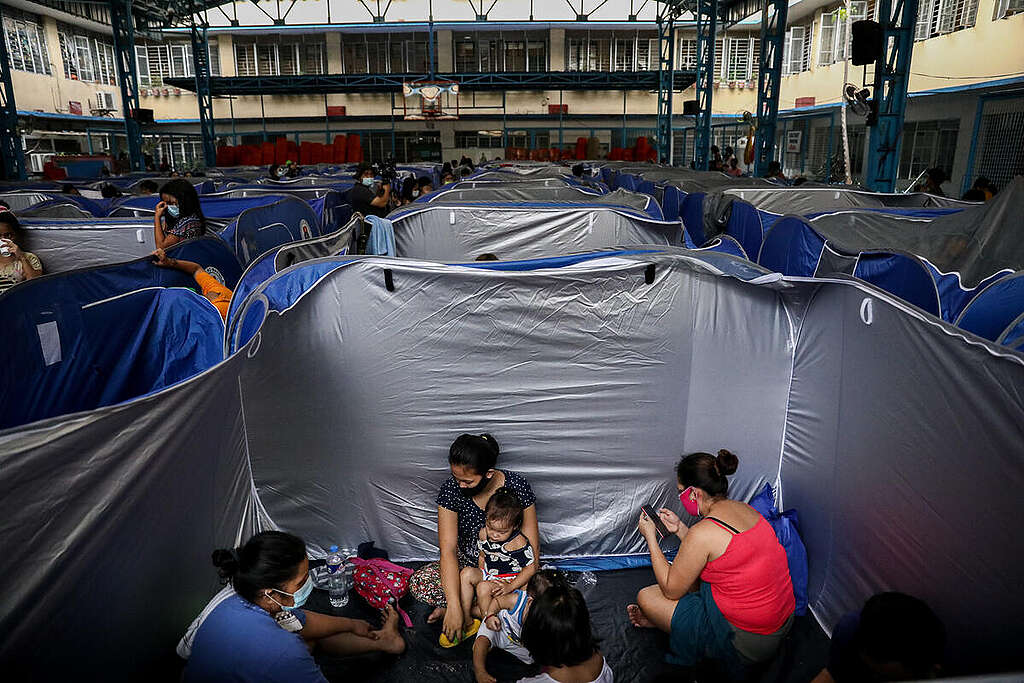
214, 58
827, 38
647, 55
465, 56
245, 59
515, 56
927, 144
26, 44
85, 66
1006, 8
142, 64
159, 64
312, 58
738, 59
181, 60
624, 55
417, 52
537, 55
354, 57
267, 60
687, 54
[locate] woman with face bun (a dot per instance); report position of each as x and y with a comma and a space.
728, 594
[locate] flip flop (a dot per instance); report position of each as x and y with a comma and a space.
466, 633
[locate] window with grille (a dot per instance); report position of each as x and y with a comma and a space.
106, 70
515, 55
311, 56
84, 54
214, 54
927, 144
624, 55
417, 53
536, 56
1007, 8
835, 42
465, 56
142, 64
181, 60
738, 66
599, 55
793, 51
26, 43
938, 17
159, 64
245, 59
267, 62
1000, 138
687, 54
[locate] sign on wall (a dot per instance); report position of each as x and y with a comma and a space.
793, 141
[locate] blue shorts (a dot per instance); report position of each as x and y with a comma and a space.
699, 631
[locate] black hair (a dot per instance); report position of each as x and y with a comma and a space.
68, 188
407, 187
267, 560
544, 579
974, 195
7, 216
188, 199
896, 627
937, 175
577, 170
774, 168
423, 181
477, 452
557, 629
272, 171
707, 472
109, 191
362, 168
504, 506
4, 205
487, 257
148, 186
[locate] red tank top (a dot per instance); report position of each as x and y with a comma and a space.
750, 581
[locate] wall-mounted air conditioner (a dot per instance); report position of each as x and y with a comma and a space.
36, 161
104, 100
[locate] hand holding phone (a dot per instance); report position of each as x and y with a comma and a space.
652, 515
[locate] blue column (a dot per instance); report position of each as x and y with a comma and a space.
127, 74
769, 81
204, 98
10, 141
666, 70
892, 75
707, 28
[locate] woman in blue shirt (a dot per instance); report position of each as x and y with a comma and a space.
260, 634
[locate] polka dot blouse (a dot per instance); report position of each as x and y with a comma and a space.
471, 517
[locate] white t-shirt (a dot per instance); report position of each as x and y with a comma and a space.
606, 676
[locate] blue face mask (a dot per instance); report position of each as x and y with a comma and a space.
173, 210
368, 181
300, 596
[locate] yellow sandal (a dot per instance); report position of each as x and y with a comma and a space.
466, 633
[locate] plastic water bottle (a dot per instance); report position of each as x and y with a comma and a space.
338, 581
585, 582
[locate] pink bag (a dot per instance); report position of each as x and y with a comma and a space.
380, 582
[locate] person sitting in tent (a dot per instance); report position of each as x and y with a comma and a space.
775, 171
558, 635
728, 594
147, 187
217, 293
933, 181
424, 185
895, 637
15, 265
257, 631
461, 501
178, 216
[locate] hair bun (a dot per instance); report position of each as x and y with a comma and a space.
727, 462
491, 440
226, 561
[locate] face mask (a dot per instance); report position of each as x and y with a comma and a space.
692, 507
368, 182
415, 193
300, 596
472, 491
173, 210
282, 174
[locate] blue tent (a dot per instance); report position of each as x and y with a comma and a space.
219, 211
995, 308
264, 227
64, 357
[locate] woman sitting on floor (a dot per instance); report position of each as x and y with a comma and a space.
260, 634
728, 595
461, 502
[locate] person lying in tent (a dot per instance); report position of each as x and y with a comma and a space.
15, 265
217, 293
255, 629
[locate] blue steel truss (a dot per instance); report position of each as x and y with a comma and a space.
707, 28
122, 23
892, 73
369, 83
204, 98
769, 81
668, 12
10, 141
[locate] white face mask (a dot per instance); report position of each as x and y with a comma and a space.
368, 182
415, 193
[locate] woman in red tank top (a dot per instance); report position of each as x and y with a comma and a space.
728, 594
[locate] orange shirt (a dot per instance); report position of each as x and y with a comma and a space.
217, 293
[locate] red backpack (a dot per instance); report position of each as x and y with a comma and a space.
380, 582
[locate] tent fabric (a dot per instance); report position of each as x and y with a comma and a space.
263, 227
995, 307
70, 358
551, 195
338, 243
55, 208
458, 232
904, 275
1013, 335
805, 200
726, 245
976, 242
219, 211
334, 416
792, 247
66, 244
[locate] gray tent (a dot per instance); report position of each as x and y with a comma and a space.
898, 438
561, 195
460, 232
69, 244
804, 200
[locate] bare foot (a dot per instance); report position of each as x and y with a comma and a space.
637, 617
436, 615
388, 637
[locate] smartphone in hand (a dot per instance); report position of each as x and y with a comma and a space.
652, 514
